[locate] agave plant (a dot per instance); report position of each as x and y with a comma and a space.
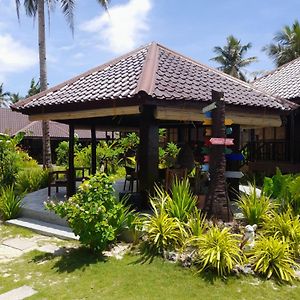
285, 226
254, 208
273, 257
218, 250
10, 203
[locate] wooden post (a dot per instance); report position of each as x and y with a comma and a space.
217, 203
94, 146
234, 165
292, 137
148, 151
71, 188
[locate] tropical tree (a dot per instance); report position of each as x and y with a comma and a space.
4, 96
34, 89
232, 57
37, 7
14, 97
287, 45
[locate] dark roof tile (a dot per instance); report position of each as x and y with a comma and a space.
283, 81
161, 73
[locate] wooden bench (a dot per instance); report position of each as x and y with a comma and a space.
59, 179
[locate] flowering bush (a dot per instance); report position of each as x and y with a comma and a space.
94, 213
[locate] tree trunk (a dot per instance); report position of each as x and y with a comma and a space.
43, 81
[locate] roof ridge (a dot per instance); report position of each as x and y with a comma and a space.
26, 127
58, 126
148, 74
275, 70
245, 84
72, 80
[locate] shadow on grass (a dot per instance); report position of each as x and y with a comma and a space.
75, 259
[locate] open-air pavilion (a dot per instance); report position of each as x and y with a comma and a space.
144, 90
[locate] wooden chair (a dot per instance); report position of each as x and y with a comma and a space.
131, 177
59, 179
171, 174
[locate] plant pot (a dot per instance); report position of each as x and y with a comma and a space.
201, 201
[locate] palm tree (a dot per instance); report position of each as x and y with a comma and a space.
3, 96
15, 97
33, 7
34, 89
232, 57
287, 45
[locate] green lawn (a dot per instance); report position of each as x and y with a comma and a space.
80, 275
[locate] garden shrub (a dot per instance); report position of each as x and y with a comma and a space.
218, 250
10, 203
254, 208
273, 257
32, 179
285, 226
94, 213
162, 232
284, 189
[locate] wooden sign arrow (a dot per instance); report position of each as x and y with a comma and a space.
221, 141
207, 122
228, 151
206, 158
209, 107
228, 130
207, 114
208, 131
234, 174
204, 150
228, 122
205, 168
235, 156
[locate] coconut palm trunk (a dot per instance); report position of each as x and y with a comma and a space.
43, 80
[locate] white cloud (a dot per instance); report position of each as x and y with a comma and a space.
14, 57
123, 28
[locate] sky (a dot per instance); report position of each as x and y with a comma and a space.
191, 27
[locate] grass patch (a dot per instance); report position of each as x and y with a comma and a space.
11, 231
82, 275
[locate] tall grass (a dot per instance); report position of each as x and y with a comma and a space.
10, 203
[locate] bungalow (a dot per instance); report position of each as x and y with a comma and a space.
13, 122
271, 147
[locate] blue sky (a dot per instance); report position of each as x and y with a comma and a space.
191, 27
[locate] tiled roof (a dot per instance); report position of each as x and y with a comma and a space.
14, 122
160, 72
283, 82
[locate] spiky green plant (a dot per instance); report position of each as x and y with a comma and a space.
218, 250
163, 232
196, 224
286, 226
272, 257
10, 203
254, 208
182, 202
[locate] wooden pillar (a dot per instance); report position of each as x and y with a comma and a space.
217, 202
148, 151
71, 188
292, 138
94, 146
234, 165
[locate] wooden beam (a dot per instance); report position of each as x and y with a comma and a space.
245, 119
89, 113
71, 188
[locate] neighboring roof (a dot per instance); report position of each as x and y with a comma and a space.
13, 122
160, 72
283, 82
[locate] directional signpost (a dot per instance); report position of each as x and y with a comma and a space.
235, 156
234, 174
209, 107
221, 141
